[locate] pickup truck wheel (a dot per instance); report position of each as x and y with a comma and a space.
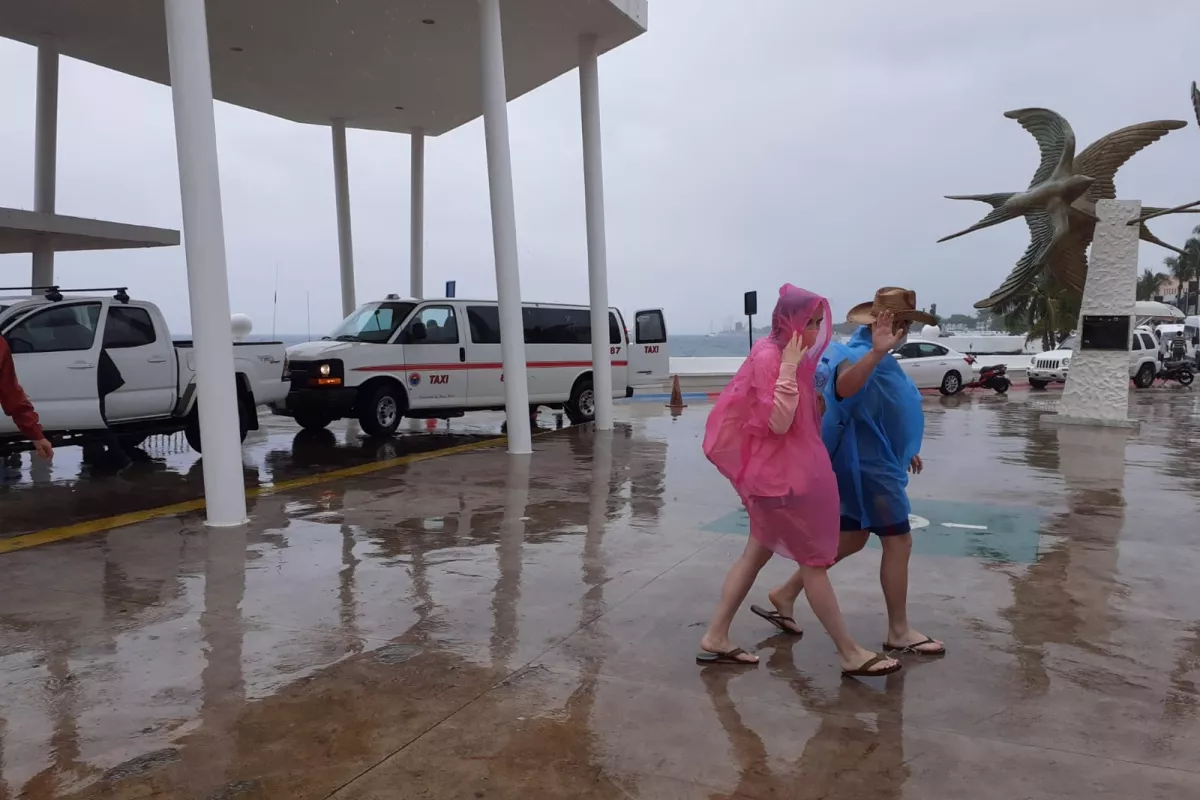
379, 414
581, 407
1145, 377
1034, 383
192, 431
312, 422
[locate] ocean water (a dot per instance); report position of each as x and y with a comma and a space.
681, 346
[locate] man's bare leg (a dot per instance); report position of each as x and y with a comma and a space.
737, 585
784, 597
825, 606
893, 577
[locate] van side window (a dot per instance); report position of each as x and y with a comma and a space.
128, 326
440, 326
485, 324
557, 325
650, 328
60, 328
614, 329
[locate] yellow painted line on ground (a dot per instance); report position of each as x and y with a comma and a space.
89, 527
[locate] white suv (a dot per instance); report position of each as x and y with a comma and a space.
1052, 366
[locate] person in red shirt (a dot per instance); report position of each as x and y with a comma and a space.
17, 405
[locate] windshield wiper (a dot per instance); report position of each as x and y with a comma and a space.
348, 337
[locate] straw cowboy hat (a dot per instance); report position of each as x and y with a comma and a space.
901, 302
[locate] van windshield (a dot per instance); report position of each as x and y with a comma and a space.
374, 322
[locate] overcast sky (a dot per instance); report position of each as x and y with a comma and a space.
745, 144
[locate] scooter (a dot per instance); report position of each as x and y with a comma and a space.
993, 377
1180, 371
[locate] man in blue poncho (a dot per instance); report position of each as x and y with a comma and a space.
872, 427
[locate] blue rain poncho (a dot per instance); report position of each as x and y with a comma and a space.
871, 436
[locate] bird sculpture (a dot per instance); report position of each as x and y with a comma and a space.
1186, 208
1060, 204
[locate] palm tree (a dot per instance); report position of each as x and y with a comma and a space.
1185, 267
1044, 310
1147, 285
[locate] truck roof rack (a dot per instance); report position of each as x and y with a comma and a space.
55, 293
52, 293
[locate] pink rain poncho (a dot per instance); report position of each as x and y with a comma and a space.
764, 435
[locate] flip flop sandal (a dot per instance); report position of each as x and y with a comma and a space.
865, 670
728, 657
778, 620
913, 648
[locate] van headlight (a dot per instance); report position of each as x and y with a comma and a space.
327, 373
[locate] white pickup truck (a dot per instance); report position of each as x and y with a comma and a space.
1052, 366
56, 345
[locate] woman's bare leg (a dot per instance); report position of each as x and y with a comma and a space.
737, 585
784, 597
825, 605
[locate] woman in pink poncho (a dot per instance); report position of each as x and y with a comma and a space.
764, 435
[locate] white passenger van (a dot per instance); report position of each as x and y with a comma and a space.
440, 358
1191, 335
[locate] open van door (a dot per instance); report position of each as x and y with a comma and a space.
56, 350
649, 359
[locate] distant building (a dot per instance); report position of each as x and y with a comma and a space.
738, 327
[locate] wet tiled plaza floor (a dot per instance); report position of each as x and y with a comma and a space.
483, 626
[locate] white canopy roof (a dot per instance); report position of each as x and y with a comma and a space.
389, 65
1150, 309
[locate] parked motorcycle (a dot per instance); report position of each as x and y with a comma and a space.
1180, 371
993, 377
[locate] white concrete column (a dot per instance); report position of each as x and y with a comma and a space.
341, 191
45, 155
593, 194
416, 226
204, 246
504, 227
1097, 390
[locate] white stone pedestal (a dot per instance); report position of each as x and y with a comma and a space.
1097, 390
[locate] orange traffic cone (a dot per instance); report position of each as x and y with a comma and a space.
676, 403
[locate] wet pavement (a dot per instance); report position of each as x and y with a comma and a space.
36, 494
483, 626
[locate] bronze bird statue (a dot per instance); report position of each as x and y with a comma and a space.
1060, 204
1186, 208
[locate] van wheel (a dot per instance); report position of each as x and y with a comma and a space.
380, 412
951, 384
191, 431
312, 421
1145, 377
581, 407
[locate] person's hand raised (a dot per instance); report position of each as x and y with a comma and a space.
883, 338
794, 352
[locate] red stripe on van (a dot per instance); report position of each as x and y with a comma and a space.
458, 365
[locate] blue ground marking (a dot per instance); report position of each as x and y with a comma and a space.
1002, 534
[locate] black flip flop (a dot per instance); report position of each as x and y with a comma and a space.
777, 619
912, 648
865, 670
728, 657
